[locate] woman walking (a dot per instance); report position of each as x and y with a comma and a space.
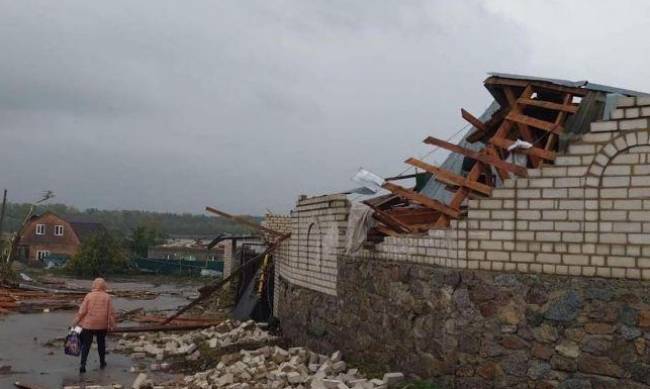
95, 317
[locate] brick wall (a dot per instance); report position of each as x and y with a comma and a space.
317, 227
589, 214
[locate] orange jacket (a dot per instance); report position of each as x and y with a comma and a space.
96, 310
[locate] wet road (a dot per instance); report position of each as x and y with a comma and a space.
23, 338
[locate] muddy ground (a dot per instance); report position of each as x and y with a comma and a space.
24, 338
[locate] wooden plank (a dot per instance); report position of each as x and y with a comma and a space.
415, 216
537, 123
526, 132
450, 178
534, 151
243, 221
510, 96
488, 159
561, 117
391, 221
421, 199
548, 105
474, 121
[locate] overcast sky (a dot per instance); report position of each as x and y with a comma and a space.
244, 105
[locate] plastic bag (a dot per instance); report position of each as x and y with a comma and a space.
72, 344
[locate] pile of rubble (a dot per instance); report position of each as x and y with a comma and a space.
275, 368
161, 345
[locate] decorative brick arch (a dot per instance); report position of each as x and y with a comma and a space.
618, 145
314, 241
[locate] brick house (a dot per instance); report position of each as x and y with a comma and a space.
48, 234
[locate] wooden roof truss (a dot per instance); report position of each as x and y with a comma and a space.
532, 111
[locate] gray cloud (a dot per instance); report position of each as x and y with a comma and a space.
169, 105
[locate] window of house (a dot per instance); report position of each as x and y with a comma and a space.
40, 229
58, 230
40, 254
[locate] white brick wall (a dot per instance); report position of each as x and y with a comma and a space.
317, 227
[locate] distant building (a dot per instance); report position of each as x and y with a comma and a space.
50, 235
186, 249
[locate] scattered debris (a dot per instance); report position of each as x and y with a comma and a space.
160, 345
297, 367
30, 298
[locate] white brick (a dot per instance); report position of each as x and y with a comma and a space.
611, 125
617, 114
636, 124
643, 100
625, 101
571, 259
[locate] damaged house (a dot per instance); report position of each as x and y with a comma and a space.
522, 261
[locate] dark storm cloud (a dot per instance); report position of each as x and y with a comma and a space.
240, 104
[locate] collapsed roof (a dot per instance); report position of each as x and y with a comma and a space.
529, 121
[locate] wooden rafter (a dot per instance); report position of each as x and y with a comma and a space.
421, 199
533, 151
561, 117
450, 178
488, 159
534, 122
569, 108
473, 120
526, 132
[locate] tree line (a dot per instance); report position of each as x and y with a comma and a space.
124, 222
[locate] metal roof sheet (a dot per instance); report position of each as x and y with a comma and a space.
573, 84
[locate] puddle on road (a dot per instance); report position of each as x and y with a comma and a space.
23, 338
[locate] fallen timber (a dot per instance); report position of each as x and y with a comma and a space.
208, 290
164, 328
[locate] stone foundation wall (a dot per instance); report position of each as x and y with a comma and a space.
476, 329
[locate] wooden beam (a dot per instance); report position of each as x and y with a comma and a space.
415, 216
390, 221
533, 151
421, 199
450, 178
510, 96
526, 132
474, 121
489, 159
243, 221
537, 123
570, 108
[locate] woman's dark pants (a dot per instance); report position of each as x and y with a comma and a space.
87, 341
